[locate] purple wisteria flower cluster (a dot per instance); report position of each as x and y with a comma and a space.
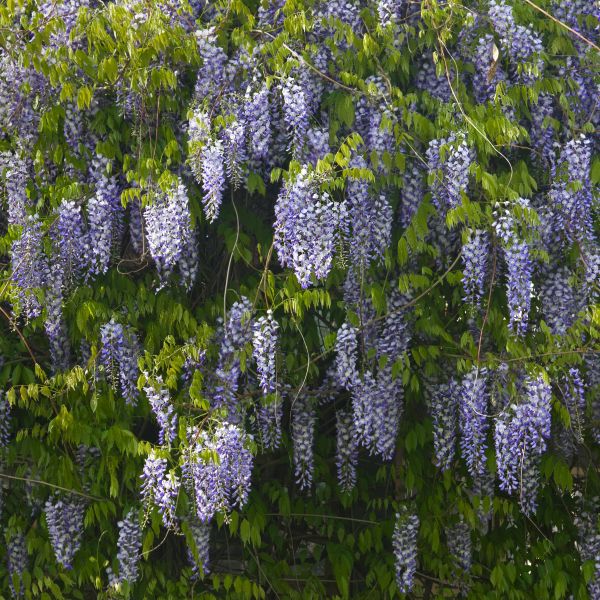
404, 542
162, 407
265, 346
160, 488
129, 546
64, 517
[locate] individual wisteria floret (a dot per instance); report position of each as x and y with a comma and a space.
475, 254
29, 266
198, 555
303, 434
307, 225
404, 543
212, 177
64, 517
210, 82
571, 192
105, 216
473, 420
16, 553
460, 544
520, 438
5, 420
168, 228
573, 390
160, 488
222, 484
162, 407
264, 344
346, 355
346, 457
129, 547
118, 355
444, 412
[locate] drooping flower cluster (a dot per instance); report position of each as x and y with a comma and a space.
129, 547
210, 82
64, 517
558, 302
460, 544
303, 435
257, 113
269, 417
346, 450
444, 412
162, 407
16, 552
15, 172
475, 262
573, 391
448, 161
160, 488
265, 346
5, 420
29, 266
307, 223
55, 326
346, 347
69, 235
473, 420
219, 485
168, 229
199, 554
118, 355
404, 542
520, 439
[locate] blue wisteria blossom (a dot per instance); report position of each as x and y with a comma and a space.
573, 390
307, 225
168, 228
257, 114
162, 407
129, 550
16, 553
160, 488
269, 417
235, 151
404, 542
474, 420
460, 544
346, 450
118, 355
55, 325
199, 554
212, 177
64, 517
488, 72
265, 346
346, 348
5, 420
559, 304
29, 266
296, 109
15, 172
475, 257
444, 412
210, 82
69, 235
520, 438
220, 485
412, 193
303, 434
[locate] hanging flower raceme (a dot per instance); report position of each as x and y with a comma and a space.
346, 450
460, 544
211, 82
474, 420
573, 390
168, 228
129, 547
520, 439
265, 346
404, 543
303, 434
69, 236
220, 469
475, 255
198, 555
307, 224
118, 355
346, 347
15, 171
296, 110
56, 328
5, 420
257, 114
160, 488
162, 407
16, 553
29, 266
64, 517
444, 412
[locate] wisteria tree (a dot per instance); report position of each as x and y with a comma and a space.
300, 299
